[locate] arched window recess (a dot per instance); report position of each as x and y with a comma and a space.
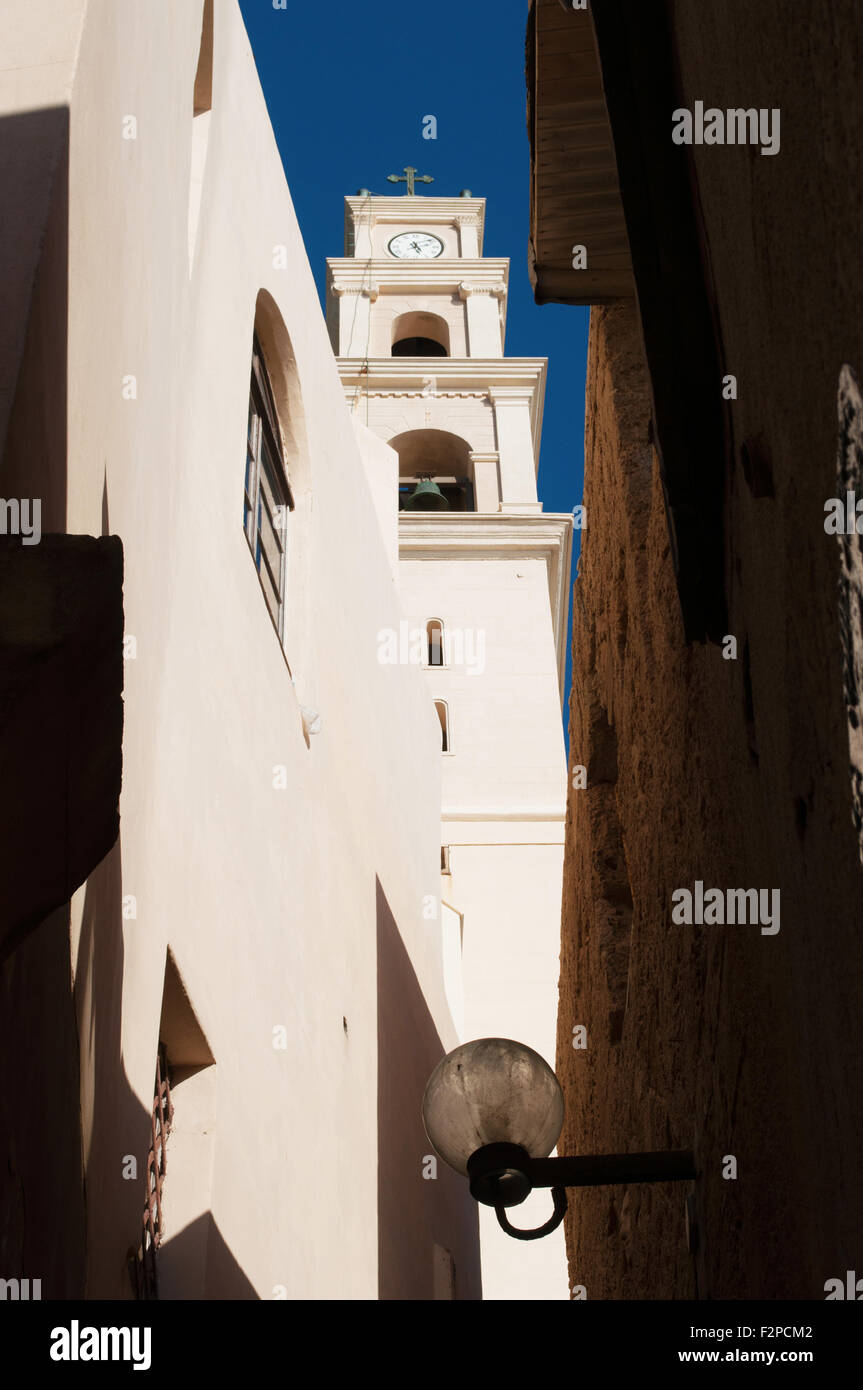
267, 499
435, 643
443, 715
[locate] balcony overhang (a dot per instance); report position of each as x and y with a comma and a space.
574, 192
602, 86
61, 721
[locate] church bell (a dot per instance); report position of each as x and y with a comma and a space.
426, 497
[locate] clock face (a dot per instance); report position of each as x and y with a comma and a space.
415, 246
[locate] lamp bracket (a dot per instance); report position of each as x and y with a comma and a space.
502, 1175
559, 1198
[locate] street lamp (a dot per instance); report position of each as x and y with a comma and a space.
493, 1110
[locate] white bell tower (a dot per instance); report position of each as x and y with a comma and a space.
417, 320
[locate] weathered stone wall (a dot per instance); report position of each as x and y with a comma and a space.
718, 1038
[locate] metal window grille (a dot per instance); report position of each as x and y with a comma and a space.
143, 1269
267, 497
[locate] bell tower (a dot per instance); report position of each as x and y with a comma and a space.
417, 320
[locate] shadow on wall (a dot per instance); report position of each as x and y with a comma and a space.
428, 1229
61, 671
60, 684
225, 1279
195, 1263
68, 1115
116, 1124
34, 190
67, 1215
41, 1189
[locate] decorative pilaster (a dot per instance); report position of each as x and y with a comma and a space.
515, 445
364, 225
485, 481
355, 322
485, 338
468, 235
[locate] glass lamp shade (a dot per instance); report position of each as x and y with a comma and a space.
492, 1091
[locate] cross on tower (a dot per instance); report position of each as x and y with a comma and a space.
410, 177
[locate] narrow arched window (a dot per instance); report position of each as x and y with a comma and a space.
435, 642
267, 500
443, 716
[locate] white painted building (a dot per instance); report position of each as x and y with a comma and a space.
268, 922
417, 317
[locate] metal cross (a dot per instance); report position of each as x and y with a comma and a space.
410, 177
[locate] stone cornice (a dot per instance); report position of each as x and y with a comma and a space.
451, 814
445, 273
454, 275
490, 536
465, 290
429, 212
500, 380
370, 291
501, 375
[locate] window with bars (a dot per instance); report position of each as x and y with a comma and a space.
142, 1264
267, 500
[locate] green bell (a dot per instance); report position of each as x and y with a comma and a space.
426, 497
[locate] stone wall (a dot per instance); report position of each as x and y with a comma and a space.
735, 772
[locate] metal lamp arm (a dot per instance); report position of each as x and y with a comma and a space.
596, 1170
559, 1198
502, 1175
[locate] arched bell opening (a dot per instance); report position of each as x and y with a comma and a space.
435, 472
420, 334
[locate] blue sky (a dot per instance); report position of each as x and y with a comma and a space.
347, 86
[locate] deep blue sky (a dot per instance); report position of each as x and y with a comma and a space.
347, 86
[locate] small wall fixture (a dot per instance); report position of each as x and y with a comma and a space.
312, 721
493, 1110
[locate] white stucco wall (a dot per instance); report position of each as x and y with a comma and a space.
301, 907
390, 308
39, 47
506, 880
507, 737
381, 465
266, 897
503, 808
